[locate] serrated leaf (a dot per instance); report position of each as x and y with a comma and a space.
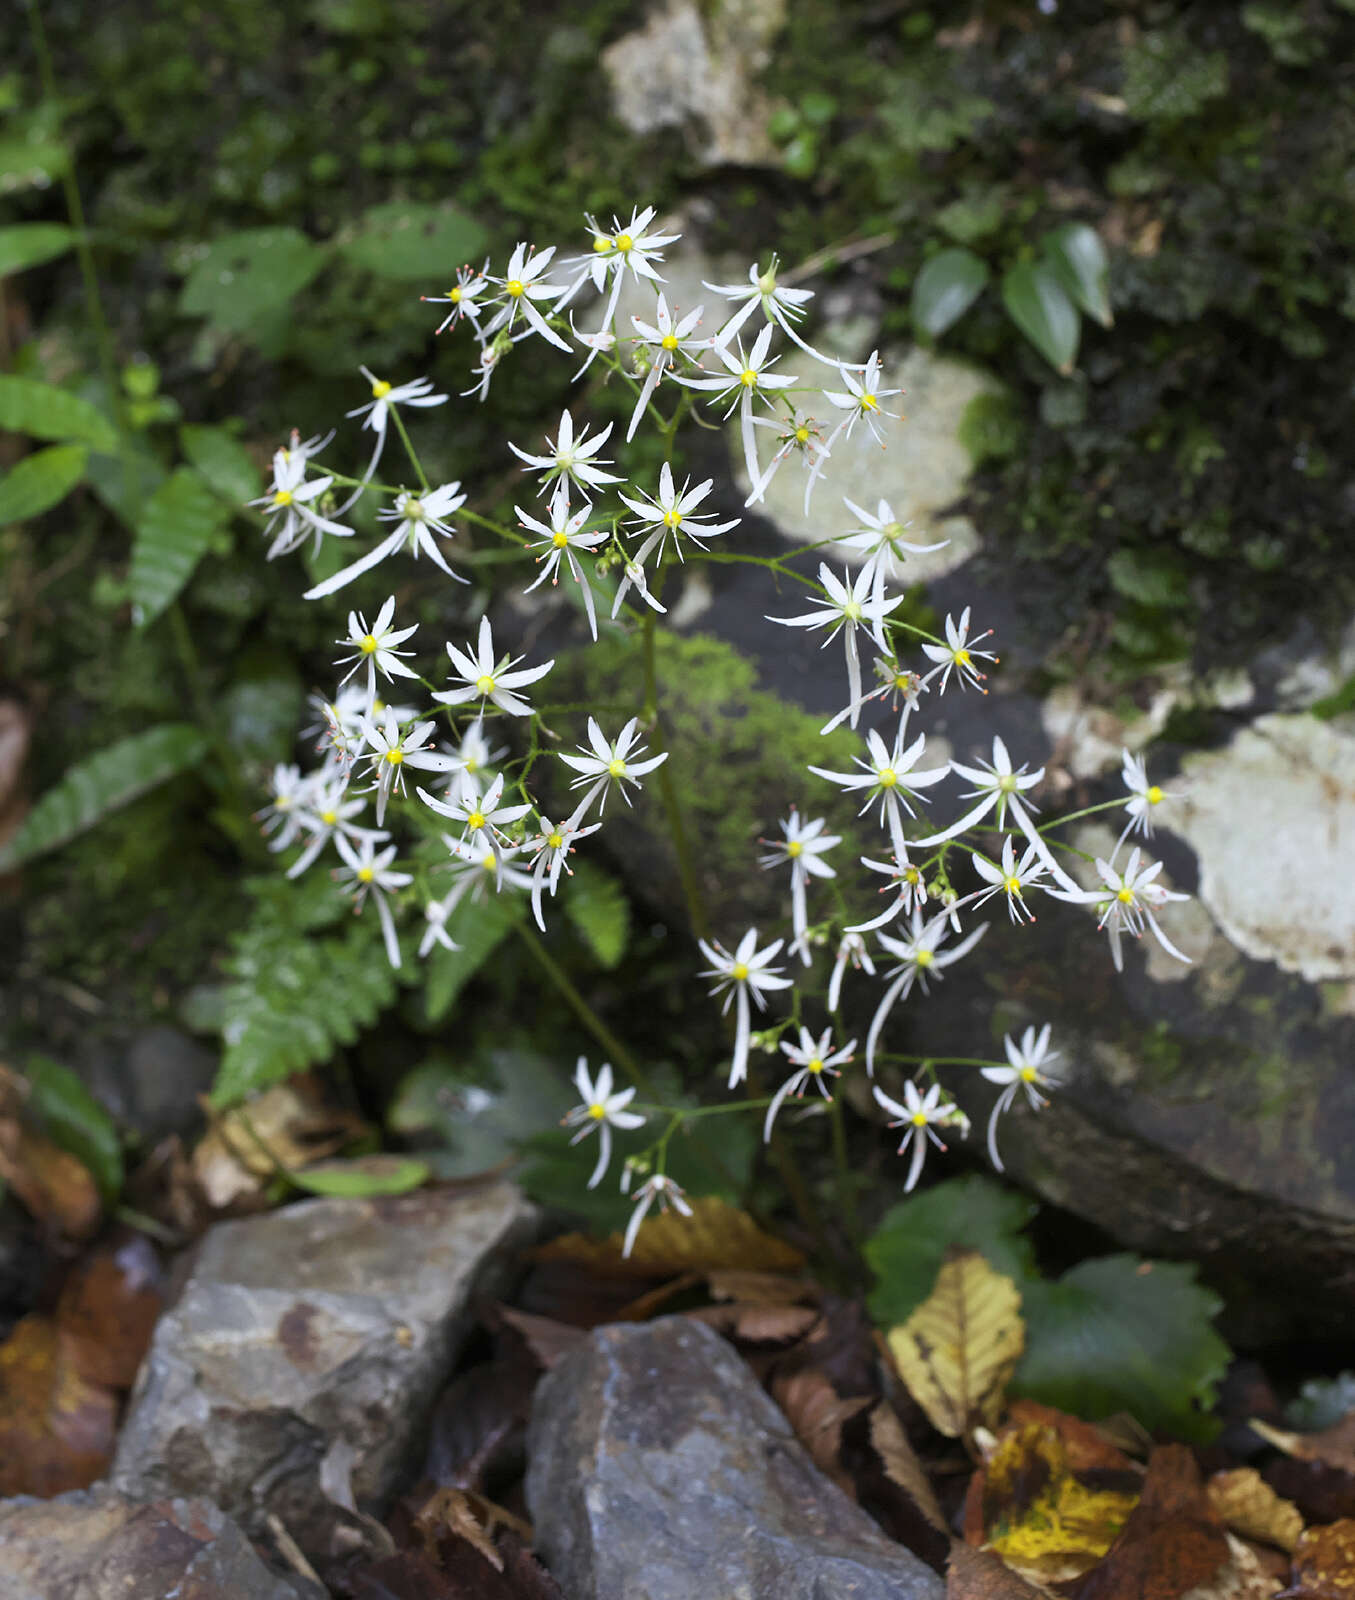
363, 1176
46, 412
222, 460
40, 481
173, 533
596, 905
403, 241
945, 289
75, 1121
1122, 1334
959, 1348
1079, 259
907, 1249
244, 275
1039, 305
479, 930
29, 244
102, 784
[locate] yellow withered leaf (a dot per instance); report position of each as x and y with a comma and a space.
715, 1236
1249, 1506
959, 1348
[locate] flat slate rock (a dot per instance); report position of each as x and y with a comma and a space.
660, 1470
296, 1372
96, 1545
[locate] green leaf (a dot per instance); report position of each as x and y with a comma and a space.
127, 480
31, 164
46, 412
1080, 263
1155, 578
296, 994
479, 930
104, 783
74, 1119
40, 481
223, 461
263, 705
1038, 304
173, 533
367, 1175
29, 244
244, 275
1166, 78
906, 1251
1123, 1334
398, 240
945, 289
596, 905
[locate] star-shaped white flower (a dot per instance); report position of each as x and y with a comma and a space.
375, 413
370, 875
919, 957
483, 817
958, 655
917, 1116
664, 343
609, 765
892, 777
1026, 1070
672, 512
391, 748
1126, 901
572, 458
560, 539
747, 376
417, 516
852, 606
488, 679
1144, 797
802, 849
553, 844
462, 298
907, 882
659, 1188
747, 971
603, 1109
376, 646
522, 286
813, 1060
1010, 877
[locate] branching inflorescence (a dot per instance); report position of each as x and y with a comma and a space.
582, 519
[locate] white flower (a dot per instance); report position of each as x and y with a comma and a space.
958, 655
802, 848
391, 750
745, 376
609, 765
436, 913
561, 539
799, 435
1025, 1072
375, 413
916, 1115
461, 297
670, 512
370, 874
522, 285
475, 865
812, 1059
907, 879
626, 247
1143, 797
473, 759
571, 458
897, 684
919, 956
289, 498
659, 1188
326, 813
888, 777
666, 342
851, 947
417, 517
746, 971
486, 364
1010, 877
553, 845
851, 606
338, 731
782, 307
880, 539
862, 400
483, 677
376, 646
1126, 901
482, 817
601, 1109
283, 814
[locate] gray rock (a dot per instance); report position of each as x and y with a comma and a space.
96, 1545
659, 1470
295, 1372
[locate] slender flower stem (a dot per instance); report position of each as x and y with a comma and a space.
677, 827
399, 422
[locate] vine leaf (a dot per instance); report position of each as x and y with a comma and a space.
40, 481
107, 781
1038, 304
945, 289
29, 244
174, 531
411, 242
46, 412
1078, 258
222, 460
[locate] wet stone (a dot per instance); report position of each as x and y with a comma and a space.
295, 1373
660, 1470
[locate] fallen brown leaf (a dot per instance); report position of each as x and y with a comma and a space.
56, 1428
758, 1324
108, 1310
901, 1464
450, 1511
1085, 1444
547, 1339
761, 1288
1324, 1563
981, 1575
289, 1127
817, 1412
1249, 1506
717, 1236
1335, 1446
52, 1184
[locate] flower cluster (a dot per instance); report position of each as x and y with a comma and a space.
479, 744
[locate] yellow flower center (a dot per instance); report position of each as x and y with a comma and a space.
555, 840
962, 658
283, 497
669, 341
923, 958
794, 848
1012, 885
1125, 896
740, 971
912, 875
888, 777
597, 1111
515, 287
815, 1066
488, 862
624, 242
395, 757
367, 644
472, 765
802, 434
672, 519
485, 683
616, 768
1029, 1075
380, 389
413, 510
476, 820
454, 295
602, 244
901, 680
329, 818
919, 1119
1154, 795
1007, 783
852, 610
366, 874
869, 403
559, 539
748, 378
